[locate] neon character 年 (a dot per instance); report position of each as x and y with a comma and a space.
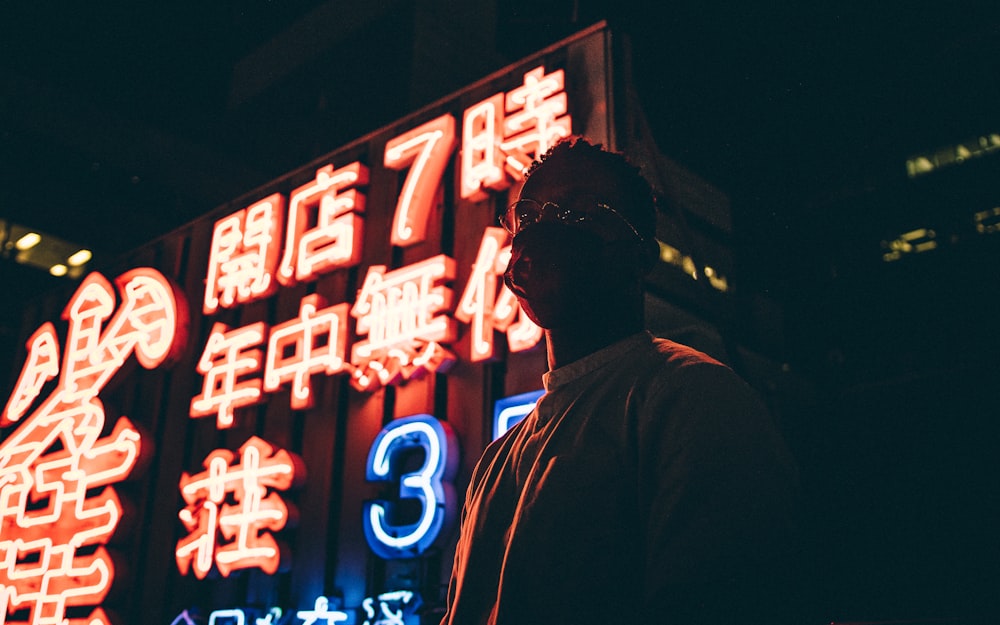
55, 517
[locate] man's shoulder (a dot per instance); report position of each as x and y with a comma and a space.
674, 355
674, 367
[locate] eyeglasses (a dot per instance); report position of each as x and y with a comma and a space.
524, 213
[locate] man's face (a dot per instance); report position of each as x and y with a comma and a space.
559, 271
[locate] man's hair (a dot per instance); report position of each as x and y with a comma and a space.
641, 209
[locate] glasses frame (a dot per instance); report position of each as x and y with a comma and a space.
567, 216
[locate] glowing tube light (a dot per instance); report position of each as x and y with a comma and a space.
426, 149
430, 485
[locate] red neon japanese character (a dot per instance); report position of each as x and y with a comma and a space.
482, 161
324, 224
236, 535
225, 363
42, 366
317, 338
536, 118
426, 149
398, 311
486, 310
244, 255
506, 132
58, 458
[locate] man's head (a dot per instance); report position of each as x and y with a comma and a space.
584, 226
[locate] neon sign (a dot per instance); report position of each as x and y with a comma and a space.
398, 311
227, 617
335, 240
246, 527
486, 310
225, 363
315, 340
397, 607
504, 133
394, 607
428, 148
431, 485
321, 614
58, 506
510, 411
244, 255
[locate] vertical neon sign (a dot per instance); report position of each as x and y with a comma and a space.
54, 526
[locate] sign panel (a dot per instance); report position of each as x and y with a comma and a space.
295, 453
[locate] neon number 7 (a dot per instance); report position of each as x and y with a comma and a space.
390, 535
426, 149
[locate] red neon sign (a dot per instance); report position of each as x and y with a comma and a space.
486, 310
426, 149
333, 202
536, 118
244, 255
226, 362
51, 465
500, 137
316, 339
398, 311
42, 365
245, 527
482, 160
506, 132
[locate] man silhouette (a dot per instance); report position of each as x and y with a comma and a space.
648, 485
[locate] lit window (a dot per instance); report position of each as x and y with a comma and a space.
988, 221
28, 241
912, 242
927, 162
79, 258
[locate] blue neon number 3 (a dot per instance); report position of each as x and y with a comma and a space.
431, 485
